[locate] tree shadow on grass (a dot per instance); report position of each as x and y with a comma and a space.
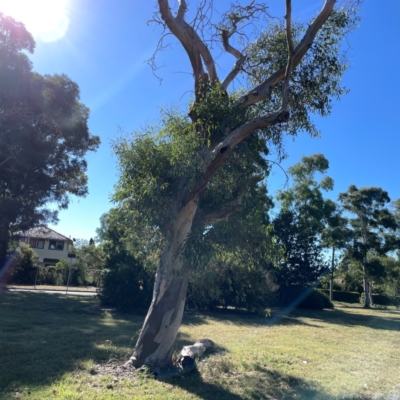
379, 319
44, 336
376, 319
258, 383
242, 318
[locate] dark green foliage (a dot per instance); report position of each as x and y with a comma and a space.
315, 300
303, 261
303, 297
301, 221
44, 137
23, 265
127, 285
344, 296
382, 300
233, 283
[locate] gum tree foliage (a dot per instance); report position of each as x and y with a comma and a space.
230, 263
373, 227
300, 224
44, 137
191, 173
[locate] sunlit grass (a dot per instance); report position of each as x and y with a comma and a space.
60, 288
50, 346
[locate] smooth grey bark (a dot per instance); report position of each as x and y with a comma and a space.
331, 278
155, 344
367, 293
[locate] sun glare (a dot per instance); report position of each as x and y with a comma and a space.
46, 20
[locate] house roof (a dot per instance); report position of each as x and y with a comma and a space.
43, 232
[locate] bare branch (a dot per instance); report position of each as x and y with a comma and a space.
224, 212
289, 65
262, 91
182, 9
229, 208
231, 20
228, 48
6, 160
232, 75
195, 48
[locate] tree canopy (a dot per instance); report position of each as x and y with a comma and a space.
44, 137
373, 229
192, 172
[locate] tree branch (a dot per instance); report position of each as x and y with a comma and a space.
263, 90
289, 65
6, 160
214, 159
182, 9
229, 208
224, 212
195, 48
241, 58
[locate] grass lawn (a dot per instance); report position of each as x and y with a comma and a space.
50, 346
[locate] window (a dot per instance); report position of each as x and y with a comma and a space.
36, 243
56, 245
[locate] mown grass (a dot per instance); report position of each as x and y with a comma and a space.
50, 345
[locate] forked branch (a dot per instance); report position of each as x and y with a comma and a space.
263, 90
196, 49
241, 58
230, 22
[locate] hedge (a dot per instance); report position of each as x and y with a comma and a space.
345, 297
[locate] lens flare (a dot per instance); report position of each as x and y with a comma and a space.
46, 20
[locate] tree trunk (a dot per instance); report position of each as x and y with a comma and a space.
4, 239
367, 293
156, 340
331, 279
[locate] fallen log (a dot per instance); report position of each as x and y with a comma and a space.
188, 354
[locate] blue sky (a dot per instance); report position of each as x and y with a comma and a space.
104, 49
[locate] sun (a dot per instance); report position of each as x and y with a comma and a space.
46, 20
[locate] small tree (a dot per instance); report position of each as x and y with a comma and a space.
373, 231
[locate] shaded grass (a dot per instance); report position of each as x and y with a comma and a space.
49, 345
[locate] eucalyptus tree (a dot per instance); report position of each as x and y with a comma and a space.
303, 217
44, 137
191, 173
373, 232
336, 236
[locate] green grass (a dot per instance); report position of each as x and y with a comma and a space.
50, 345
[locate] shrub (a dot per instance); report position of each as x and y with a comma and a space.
345, 297
300, 297
315, 300
23, 261
127, 285
382, 300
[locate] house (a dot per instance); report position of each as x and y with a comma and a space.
49, 245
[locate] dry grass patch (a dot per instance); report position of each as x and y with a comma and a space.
50, 348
